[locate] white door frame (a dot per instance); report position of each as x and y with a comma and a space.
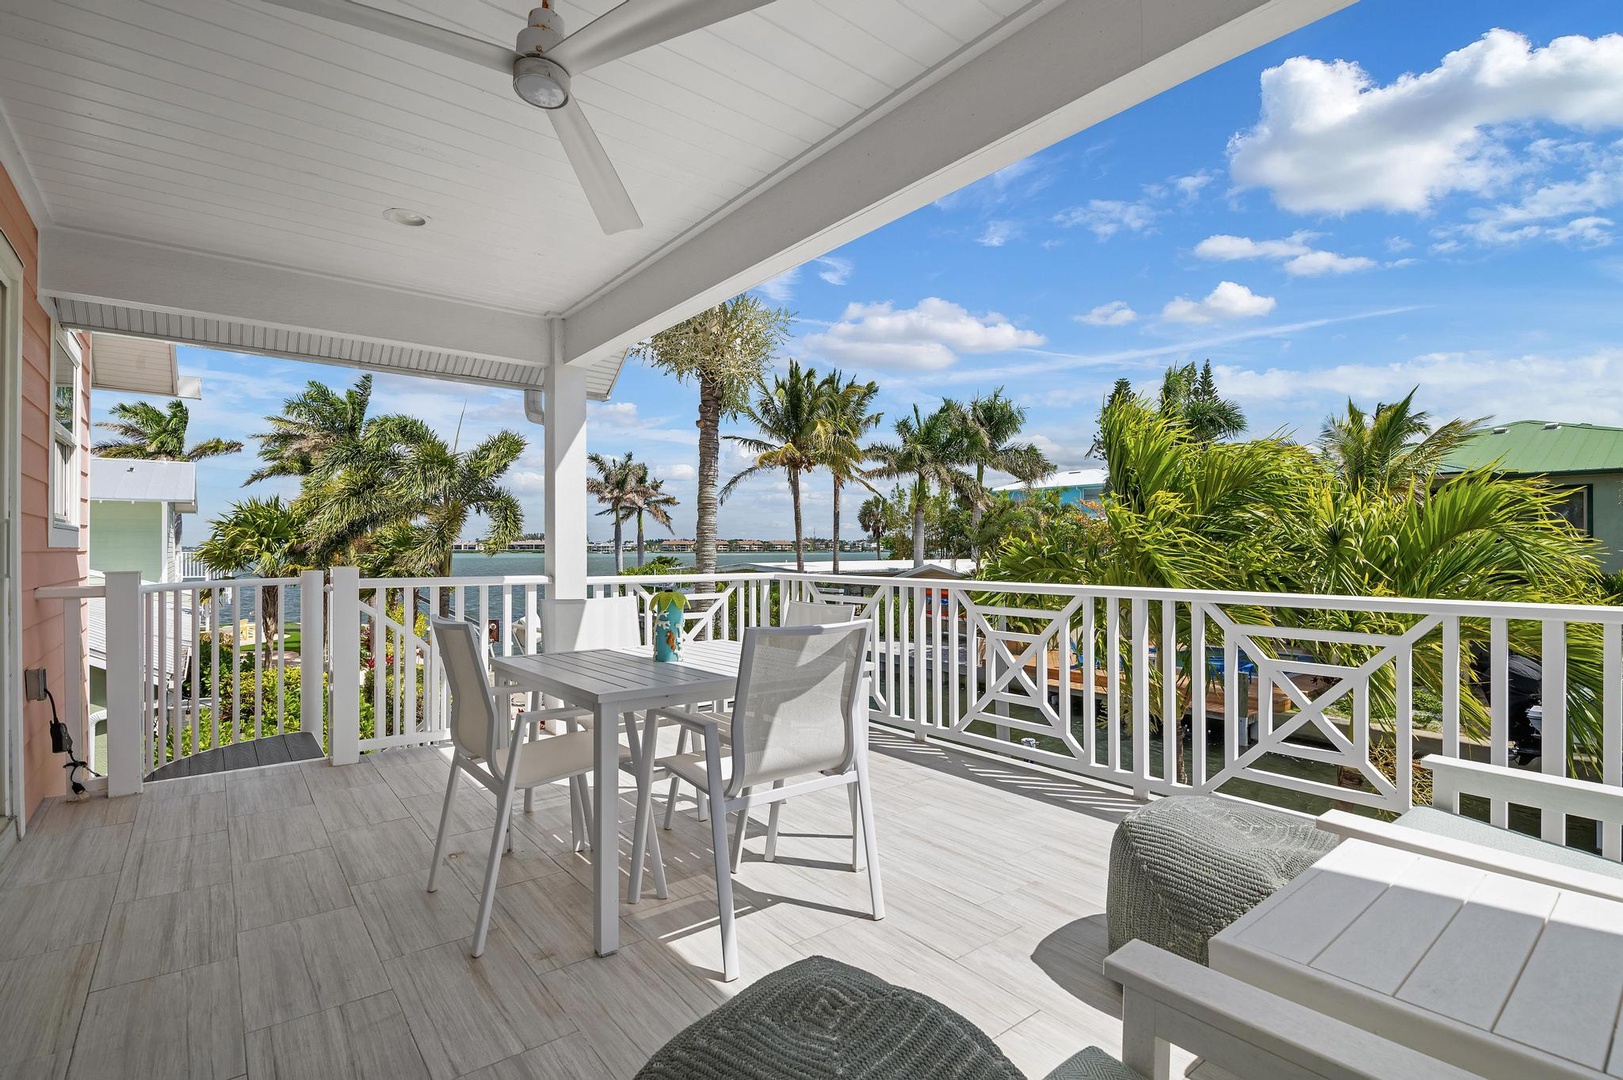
11, 333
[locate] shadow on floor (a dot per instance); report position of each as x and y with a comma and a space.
1079, 796
273, 750
1073, 956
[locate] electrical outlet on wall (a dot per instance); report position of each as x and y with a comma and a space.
34, 684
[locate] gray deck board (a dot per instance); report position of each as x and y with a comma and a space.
292, 895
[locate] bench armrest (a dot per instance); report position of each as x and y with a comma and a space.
1169, 1001
1452, 777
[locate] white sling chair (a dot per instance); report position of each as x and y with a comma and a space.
790, 613
798, 725
500, 759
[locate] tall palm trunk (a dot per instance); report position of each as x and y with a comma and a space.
920, 492
794, 497
975, 512
836, 524
619, 545
704, 530
639, 538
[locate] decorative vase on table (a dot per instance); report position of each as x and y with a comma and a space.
668, 625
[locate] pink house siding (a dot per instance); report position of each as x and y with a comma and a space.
41, 564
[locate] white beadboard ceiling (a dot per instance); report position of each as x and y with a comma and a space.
239, 130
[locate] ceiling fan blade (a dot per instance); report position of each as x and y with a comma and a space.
638, 24
388, 24
604, 190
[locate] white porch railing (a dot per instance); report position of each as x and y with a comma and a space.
1301, 699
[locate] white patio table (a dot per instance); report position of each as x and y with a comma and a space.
1508, 978
610, 683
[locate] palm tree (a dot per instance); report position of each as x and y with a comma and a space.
725, 350
875, 517
262, 538
846, 420
650, 499
318, 427
1191, 397
991, 425
154, 434
407, 496
1395, 450
930, 451
790, 414
615, 486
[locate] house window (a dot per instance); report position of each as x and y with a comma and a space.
66, 432
1574, 508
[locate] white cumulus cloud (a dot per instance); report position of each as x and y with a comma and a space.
1331, 140
677, 471
622, 414
1298, 256
927, 337
1115, 313
1228, 301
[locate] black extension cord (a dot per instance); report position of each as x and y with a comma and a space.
62, 743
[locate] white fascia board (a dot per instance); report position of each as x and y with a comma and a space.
81, 265
1062, 72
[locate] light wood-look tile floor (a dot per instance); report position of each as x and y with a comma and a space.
273, 923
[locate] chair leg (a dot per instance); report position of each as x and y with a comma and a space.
487, 899
736, 856
579, 837
670, 798
641, 839
870, 839
772, 826
724, 879
445, 820
856, 828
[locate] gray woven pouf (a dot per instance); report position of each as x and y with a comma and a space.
1093, 1064
1183, 868
820, 1018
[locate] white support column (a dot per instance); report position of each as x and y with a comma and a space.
344, 734
313, 638
566, 475
126, 722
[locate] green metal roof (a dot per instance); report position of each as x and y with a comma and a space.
1539, 447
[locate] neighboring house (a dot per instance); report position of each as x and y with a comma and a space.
1075, 486
1586, 460
136, 509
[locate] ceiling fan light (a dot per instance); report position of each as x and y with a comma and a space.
540, 82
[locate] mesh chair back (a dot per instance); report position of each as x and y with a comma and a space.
797, 699
473, 724
814, 613
603, 622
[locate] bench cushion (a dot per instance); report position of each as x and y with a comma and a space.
1458, 827
818, 1018
1183, 868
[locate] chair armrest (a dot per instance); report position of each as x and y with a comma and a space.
1167, 1000
1450, 849
1452, 777
702, 723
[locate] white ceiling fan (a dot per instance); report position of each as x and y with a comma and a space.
542, 62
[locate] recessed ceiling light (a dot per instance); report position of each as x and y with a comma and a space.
401, 216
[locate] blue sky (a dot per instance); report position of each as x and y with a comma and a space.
1400, 195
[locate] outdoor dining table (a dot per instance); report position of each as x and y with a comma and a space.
610, 683
1508, 978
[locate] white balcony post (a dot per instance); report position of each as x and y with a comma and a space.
565, 458
344, 730
127, 722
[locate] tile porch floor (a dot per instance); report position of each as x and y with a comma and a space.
273, 923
